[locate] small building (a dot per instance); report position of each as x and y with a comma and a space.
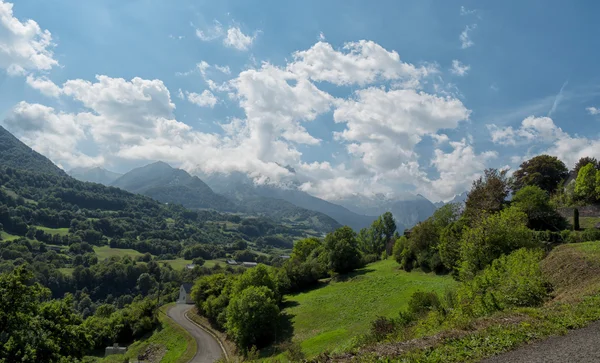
190, 266
115, 349
285, 257
249, 264
185, 294
231, 262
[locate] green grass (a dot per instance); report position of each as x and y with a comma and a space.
53, 231
328, 318
586, 222
105, 252
7, 236
66, 270
181, 346
180, 263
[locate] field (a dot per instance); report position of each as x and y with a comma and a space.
7, 237
180, 346
327, 318
53, 231
105, 252
180, 263
586, 222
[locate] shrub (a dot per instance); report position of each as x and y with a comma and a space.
421, 303
515, 280
370, 258
294, 352
382, 327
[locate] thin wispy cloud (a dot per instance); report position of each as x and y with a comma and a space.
558, 99
465, 36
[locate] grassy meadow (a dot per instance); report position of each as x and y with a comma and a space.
105, 252
53, 231
327, 318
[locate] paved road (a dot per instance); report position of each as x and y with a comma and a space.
209, 349
578, 346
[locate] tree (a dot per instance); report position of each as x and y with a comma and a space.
35, 329
342, 250
535, 202
488, 194
583, 162
261, 275
495, 235
544, 171
585, 185
252, 317
304, 247
145, 283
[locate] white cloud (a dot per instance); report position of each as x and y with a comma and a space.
223, 69
363, 62
212, 33
593, 110
238, 40
544, 132
205, 99
24, 46
232, 38
465, 38
382, 127
321, 36
457, 170
44, 85
459, 68
464, 11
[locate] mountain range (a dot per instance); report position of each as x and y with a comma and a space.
234, 192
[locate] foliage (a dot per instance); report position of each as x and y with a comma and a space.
585, 161
543, 171
341, 247
33, 328
513, 280
488, 195
374, 240
535, 202
421, 303
585, 185
496, 235
252, 317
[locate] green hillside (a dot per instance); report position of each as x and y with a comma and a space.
327, 318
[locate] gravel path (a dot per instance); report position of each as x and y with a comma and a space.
578, 346
209, 349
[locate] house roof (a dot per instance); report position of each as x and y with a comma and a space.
249, 263
187, 287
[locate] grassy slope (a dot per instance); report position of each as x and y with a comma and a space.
7, 237
574, 272
181, 346
105, 252
58, 231
328, 318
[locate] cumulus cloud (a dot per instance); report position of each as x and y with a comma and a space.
233, 37
205, 99
459, 68
542, 131
24, 45
457, 169
361, 63
465, 36
238, 40
44, 85
593, 110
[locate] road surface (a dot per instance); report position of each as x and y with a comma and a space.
209, 350
578, 346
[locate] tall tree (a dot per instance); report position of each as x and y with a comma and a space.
488, 194
342, 250
535, 202
544, 171
583, 162
585, 185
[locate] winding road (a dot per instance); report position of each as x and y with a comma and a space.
209, 349
578, 346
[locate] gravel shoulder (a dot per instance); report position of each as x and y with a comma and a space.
578, 346
209, 350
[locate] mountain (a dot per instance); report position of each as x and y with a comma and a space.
408, 209
169, 185
15, 154
241, 188
458, 198
94, 175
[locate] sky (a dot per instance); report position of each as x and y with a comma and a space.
340, 97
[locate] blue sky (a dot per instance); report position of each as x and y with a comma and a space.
399, 96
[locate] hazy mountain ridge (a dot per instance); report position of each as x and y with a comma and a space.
94, 175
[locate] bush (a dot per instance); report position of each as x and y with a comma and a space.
421, 303
370, 258
382, 327
510, 281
